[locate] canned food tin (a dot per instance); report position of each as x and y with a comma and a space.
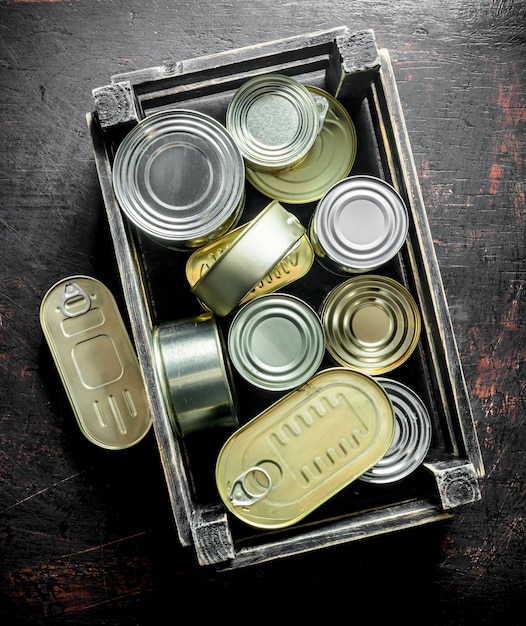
180, 178
257, 249
195, 376
328, 161
96, 362
289, 269
274, 120
412, 437
371, 323
360, 224
276, 342
298, 453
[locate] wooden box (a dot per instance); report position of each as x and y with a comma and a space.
349, 66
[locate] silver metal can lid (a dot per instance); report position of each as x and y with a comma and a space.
371, 323
412, 436
276, 342
359, 224
274, 120
180, 178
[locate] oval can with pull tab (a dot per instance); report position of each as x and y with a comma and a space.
96, 362
298, 453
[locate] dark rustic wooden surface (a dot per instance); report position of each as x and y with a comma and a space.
86, 536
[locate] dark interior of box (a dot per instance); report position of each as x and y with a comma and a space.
170, 299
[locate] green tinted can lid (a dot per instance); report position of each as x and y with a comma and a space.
359, 224
274, 120
328, 161
412, 436
276, 342
180, 178
371, 323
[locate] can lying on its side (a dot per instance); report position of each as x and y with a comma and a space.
194, 371
293, 457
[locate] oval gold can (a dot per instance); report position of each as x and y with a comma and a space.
279, 467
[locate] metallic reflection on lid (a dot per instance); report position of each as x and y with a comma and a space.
276, 342
371, 323
359, 224
274, 120
180, 178
329, 160
411, 440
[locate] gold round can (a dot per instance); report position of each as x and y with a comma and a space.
371, 323
274, 121
330, 159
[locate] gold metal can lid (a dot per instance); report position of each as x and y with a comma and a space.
179, 177
194, 372
328, 161
294, 456
360, 224
412, 436
276, 342
96, 362
274, 120
266, 240
371, 323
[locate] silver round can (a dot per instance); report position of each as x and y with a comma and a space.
371, 323
195, 374
359, 225
412, 436
276, 342
274, 120
180, 178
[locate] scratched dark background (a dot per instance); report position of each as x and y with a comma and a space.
86, 536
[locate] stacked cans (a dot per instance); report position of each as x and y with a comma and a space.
180, 177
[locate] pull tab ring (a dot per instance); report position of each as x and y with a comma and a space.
70, 292
250, 487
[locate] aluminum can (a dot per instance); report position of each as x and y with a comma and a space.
266, 240
180, 178
411, 440
371, 323
360, 224
274, 120
276, 342
96, 362
328, 161
195, 374
294, 456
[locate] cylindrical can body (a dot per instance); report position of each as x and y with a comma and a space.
359, 225
195, 374
411, 440
274, 120
371, 323
180, 178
